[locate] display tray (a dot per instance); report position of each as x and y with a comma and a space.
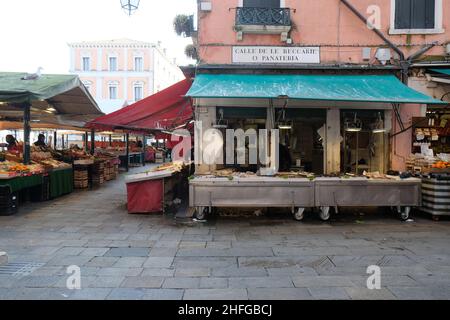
146, 176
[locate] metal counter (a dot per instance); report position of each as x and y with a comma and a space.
208, 192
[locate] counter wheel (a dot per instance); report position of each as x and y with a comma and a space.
324, 213
202, 212
299, 214
404, 212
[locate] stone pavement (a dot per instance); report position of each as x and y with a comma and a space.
124, 256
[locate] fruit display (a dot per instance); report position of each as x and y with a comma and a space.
10, 169
171, 166
441, 165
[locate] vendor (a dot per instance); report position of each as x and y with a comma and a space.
40, 141
12, 143
139, 144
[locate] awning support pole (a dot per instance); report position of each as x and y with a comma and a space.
110, 140
62, 141
26, 133
55, 139
92, 141
127, 152
143, 150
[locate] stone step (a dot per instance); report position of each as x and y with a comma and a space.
3, 258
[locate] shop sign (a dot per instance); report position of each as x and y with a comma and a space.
276, 55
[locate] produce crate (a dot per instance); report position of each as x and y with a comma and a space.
98, 172
80, 177
9, 201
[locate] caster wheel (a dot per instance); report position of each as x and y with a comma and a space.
201, 213
299, 214
404, 213
324, 213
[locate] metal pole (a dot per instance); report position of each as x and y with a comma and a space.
143, 150
62, 141
86, 141
110, 140
92, 141
26, 133
55, 137
127, 152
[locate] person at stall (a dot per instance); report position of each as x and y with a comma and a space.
139, 144
40, 141
11, 143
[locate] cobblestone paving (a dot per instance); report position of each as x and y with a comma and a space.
124, 256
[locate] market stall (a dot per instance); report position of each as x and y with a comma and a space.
335, 127
152, 191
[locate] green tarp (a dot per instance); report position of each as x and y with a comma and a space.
443, 71
61, 182
15, 90
358, 88
20, 183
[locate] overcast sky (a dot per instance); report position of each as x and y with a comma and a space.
35, 33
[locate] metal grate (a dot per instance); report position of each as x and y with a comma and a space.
263, 16
19, 269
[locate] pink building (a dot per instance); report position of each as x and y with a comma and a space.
120, 72
400, 38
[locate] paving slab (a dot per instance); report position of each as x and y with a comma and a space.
279, 294
127, 252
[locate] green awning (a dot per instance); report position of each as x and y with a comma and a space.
443, 71
58, 99
358, 88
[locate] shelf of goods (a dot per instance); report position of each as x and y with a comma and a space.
436, 195
150, 191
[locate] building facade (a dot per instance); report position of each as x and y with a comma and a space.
390, 37
121, 72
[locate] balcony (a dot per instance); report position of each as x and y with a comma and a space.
263, 21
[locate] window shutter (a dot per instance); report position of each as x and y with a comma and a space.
430, 8
262, 3
403, 14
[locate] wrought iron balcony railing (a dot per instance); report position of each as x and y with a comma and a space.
263, 16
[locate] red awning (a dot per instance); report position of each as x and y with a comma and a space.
164, 110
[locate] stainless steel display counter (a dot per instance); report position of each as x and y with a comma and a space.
206, 192
362, 192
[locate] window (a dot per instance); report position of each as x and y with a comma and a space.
138, 64
416, 16
138, 92
113, 91
112, 63
86, 64
261, 3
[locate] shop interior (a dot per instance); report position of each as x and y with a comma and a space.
365, 141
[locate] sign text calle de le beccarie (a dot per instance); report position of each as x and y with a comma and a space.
275, 55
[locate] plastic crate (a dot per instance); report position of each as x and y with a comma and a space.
9, 202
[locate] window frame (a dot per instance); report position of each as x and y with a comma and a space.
282, 3
110, 86
438, 16
109, 63
89, 64
135, 86
135, 65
